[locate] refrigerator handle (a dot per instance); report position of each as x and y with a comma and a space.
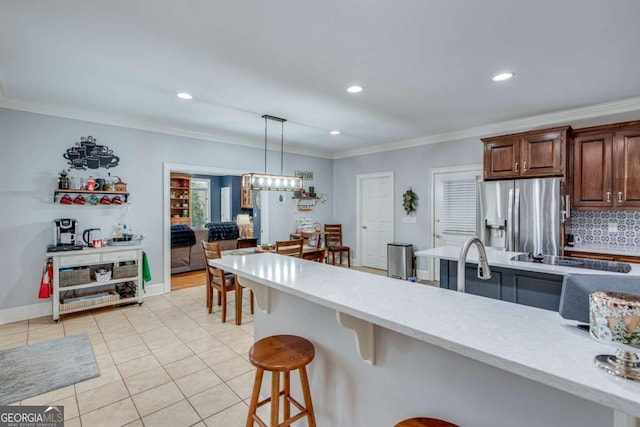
567, 207
509, 237
516, 220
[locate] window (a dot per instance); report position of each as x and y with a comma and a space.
459, 205
200, 205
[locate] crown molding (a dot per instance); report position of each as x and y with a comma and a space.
121, 121
510, 126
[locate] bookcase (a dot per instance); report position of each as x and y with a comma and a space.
180, 198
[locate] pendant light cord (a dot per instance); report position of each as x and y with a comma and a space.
265, 145
281, 147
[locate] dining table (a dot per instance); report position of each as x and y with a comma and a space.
308, 253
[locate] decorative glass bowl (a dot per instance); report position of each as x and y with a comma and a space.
615, 320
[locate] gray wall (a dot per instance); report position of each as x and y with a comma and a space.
411, 169
33, 145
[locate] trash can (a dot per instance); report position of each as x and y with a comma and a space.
400, 260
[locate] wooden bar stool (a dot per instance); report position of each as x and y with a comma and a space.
424, 422
281, 353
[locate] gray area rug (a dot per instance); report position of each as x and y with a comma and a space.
38, 368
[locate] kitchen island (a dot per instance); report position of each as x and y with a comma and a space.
529, 283
414, 350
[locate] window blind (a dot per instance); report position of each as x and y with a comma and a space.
459, 210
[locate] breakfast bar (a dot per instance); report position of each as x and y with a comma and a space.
387, 350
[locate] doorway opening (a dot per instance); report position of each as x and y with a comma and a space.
199, 211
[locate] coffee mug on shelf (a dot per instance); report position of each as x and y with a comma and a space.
66, 200
93, 162
79, 200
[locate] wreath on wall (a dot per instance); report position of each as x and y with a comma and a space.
410, 201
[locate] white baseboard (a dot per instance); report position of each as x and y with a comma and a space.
45, 308
25, 312
153, 289
423, 274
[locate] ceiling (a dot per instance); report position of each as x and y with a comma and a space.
425, 66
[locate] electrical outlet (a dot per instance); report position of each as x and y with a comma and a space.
613, 227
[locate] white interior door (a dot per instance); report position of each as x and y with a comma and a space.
225, 204
375, 219
454, 210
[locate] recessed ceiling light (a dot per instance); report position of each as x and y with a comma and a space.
502, 77
354, 89
185, 95
335, 132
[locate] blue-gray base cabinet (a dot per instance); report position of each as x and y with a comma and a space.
540, 290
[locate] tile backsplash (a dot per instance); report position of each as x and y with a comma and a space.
606, 227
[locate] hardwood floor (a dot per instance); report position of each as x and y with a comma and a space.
188, 280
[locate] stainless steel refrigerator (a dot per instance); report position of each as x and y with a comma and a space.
521, 215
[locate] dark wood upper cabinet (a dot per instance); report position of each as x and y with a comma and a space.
528, 154
592, 179
501, 158
627, 167
606, 165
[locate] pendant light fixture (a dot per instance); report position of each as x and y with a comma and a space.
265, 181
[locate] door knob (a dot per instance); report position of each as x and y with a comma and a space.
438, 236
364, 226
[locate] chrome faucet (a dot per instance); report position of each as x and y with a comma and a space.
484, 271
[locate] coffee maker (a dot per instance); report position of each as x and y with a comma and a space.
64, 234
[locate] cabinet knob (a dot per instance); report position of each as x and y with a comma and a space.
608, 196
515, 167
524, 167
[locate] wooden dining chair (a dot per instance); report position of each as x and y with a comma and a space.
333, 237
217, 279
290, 247
311, 239
249, 242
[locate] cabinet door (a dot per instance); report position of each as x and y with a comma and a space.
592, 162
502, 157
590, 255
536, 290
626, 164
543, 153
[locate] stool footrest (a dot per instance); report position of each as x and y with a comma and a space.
303, 411
258, 420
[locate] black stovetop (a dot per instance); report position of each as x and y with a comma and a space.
591, 264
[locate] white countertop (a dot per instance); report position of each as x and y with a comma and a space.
534, 343
501, 258
86, 250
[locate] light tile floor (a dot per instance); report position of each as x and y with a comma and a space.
165, 363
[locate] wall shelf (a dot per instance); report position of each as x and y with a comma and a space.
306, 204
57, 193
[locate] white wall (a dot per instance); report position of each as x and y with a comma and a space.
32, 148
